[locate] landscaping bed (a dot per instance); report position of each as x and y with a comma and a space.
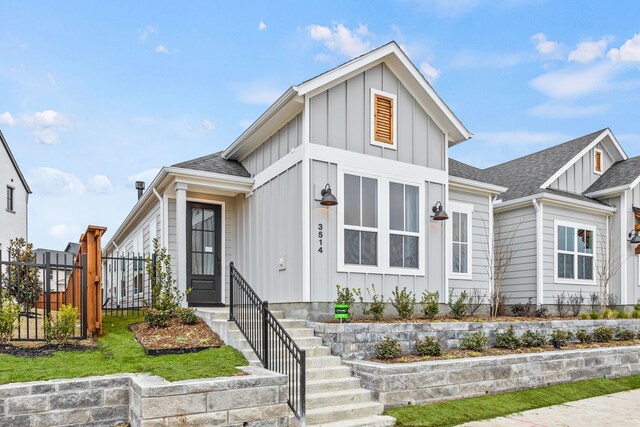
40, 349
176, 338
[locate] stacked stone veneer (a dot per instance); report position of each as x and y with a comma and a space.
258, 398
358, 340
423, 382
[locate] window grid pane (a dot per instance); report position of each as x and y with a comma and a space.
396, 206
352, 200
412, 209
369, 202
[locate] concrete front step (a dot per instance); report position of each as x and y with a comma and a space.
331, 384
332, 372
373, 421
341, 413
338, 397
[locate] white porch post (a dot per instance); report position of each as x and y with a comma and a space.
181, 235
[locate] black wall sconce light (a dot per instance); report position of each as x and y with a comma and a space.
438, 212
635, 237
328, 199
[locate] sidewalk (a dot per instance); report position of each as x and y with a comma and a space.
619, 409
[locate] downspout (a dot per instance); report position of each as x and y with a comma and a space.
491, 244
539, 252
161, 200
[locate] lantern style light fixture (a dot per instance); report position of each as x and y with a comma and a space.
328, 199
635, 237
438, 212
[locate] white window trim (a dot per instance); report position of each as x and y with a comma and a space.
597, 150
464, 208
556, 224
384, 229
393, 146
138, 249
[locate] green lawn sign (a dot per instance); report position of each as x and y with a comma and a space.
342, 311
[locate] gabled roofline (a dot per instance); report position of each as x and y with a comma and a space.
598, 139
613, 190
556, 199
15, 163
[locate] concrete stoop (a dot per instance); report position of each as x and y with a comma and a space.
334, 397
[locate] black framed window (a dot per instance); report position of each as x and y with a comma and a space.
10, 192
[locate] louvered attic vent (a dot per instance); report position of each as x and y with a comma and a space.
598, 161
383, 121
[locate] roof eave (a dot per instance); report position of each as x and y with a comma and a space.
15, 163
465, 183
556, 198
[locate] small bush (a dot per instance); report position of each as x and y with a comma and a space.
636, 314
560, 337
624, 334
603, 334
476, 299
621, 314
428, 346
585, 316
595, 315
575, 303
562, 306
508, 339
475, 341
62, 329
388, 348
156, 318
637, 306
458, 308
187, 315
430, 304
609, 314
533, 339
9, 314
584, 336
404, 302
346, 296
375, 308
594, 301
521, 310
541, 311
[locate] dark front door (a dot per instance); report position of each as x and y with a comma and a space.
204, 225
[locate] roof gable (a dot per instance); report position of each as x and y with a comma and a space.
5, 144
621, 175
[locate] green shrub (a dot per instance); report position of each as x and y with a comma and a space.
507, 339
636, 314
187, 315
585, 316
346, 296
430, 304
560, 337
533, 339
584, 336
458, 308
21, 281
404, 302
603, 334
63, 328
9, 314
621, 314
595, 315
156, 318
165, 295
623, 334
428, 346
609, 313
388, 348
475, 341
637, 306
375, 308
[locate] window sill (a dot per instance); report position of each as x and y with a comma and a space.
10, 211
574, 282
460, 276
384, 145
398, 271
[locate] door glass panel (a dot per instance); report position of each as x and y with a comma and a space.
196, 241
209, 264
196, 218
209, 239
369, 248
395, 250
351, 247
196, 263
410, 251
411, 208
351, 200
209, 218
396, 206
369, 202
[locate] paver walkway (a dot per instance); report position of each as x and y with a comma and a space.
619, 409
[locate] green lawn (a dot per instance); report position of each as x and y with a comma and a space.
479, 408
119, 352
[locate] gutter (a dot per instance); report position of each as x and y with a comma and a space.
539, 251
476, 185
524, 201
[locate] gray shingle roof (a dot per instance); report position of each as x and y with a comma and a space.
525, 175
463, 170
619, 174
215, 163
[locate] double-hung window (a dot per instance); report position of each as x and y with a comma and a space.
404, 237
460, 232
360, 220
574, 253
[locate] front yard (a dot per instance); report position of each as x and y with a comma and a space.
118, 352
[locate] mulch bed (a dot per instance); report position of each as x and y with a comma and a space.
41, 350
460, 353
176, 338
479, 319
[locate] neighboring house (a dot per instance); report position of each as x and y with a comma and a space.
15, 198
569, 213
61, 263
375, 132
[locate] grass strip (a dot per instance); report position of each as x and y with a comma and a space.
456, 412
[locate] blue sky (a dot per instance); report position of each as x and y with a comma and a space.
96, 95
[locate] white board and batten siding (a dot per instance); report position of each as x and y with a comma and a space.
581, 175
479, 277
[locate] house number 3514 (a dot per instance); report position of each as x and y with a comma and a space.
320, 236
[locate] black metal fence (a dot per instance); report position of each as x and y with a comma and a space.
272, 344
41, 286
126, 284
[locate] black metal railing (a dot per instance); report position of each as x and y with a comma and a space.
274, 347
126, 284
41, 286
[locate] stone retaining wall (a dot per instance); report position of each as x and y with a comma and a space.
423, 382
358, 340
259, 398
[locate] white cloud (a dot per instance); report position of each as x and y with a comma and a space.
520, 138
205, 126
342, 40
146, 175
245, 123
165, 50
429, 72
561, 111
471, 59
48, 181
449, 8
574, 83
146, 32
100, 184
7, 119
628, 52
262, 26
257, 92
322, 57
45, 125
51, 79
589, 50
547, 47
61, 231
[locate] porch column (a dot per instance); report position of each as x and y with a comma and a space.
181, 235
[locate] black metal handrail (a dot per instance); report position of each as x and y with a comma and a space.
269, 340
